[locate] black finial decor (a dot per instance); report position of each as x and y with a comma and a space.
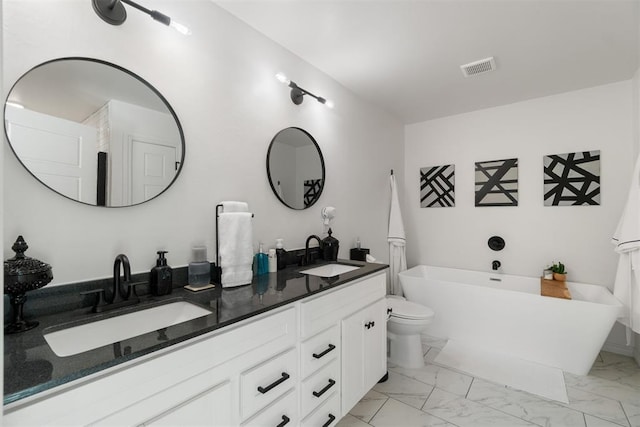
23, 274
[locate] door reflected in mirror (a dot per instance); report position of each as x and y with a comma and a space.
94, 132
295, 167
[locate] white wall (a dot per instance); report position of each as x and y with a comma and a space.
220, 81
598, 118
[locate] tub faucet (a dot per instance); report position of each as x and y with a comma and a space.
495, 265
307, 255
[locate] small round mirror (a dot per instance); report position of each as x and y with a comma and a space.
295, 167
94, 132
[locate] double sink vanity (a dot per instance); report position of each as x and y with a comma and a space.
296, 347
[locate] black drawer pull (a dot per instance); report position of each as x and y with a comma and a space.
263, 390
285, 421
332, 418
318, 356
325, 389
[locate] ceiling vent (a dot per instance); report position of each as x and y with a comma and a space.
478, 67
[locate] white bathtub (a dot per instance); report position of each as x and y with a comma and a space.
506, 313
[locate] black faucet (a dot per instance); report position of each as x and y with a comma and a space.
307, 255
120, 290
495, 265
124, 292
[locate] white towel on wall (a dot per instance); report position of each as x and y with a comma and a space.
235, 236
231, 206
397, 241
627, 243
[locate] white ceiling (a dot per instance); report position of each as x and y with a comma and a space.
405, 56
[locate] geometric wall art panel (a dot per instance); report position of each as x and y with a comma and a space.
437, 187
572, 179
497, 183
312, 188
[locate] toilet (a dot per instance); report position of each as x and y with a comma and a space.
405, 323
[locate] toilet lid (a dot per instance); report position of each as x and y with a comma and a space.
408, 310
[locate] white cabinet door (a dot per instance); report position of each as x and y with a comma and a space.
363, 352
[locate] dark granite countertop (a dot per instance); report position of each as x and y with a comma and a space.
31, 367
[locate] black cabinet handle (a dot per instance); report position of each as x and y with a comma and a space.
285, 421
332, 418
325, 389
369, 325
318, 356
263, 390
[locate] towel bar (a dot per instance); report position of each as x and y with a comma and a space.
218, 212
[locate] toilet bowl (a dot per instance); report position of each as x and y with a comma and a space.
405, 323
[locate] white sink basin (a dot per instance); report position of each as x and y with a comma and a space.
78, 339
330, 270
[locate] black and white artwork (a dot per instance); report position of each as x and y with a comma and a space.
497, 183
437, 187
572, 179
312, 188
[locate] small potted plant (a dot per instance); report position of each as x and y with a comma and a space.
559, 272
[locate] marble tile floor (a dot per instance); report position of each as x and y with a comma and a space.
437, 396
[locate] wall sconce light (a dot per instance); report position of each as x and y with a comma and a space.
298, 93
114, 13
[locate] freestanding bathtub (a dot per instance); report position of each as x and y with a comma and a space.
506, 313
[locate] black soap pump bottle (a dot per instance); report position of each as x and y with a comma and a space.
161, 279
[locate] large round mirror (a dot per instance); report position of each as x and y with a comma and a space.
295, 168
94, 132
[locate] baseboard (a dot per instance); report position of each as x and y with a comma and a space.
624, 350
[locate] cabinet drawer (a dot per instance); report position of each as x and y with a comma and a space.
266, 382
324, 311
327, 415
281, 413
319, 387
319, 350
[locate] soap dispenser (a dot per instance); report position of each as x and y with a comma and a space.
281, 254
330, 246
261, 262
161, 280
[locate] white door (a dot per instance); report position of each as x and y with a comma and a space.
61, 153
153, 167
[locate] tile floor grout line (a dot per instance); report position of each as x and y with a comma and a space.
625, 413
380, 408
466, 396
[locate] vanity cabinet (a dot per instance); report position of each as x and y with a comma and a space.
363, 364
306, 363
198, 382
347, 326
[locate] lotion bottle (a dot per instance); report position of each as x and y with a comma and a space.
161, 276
273, 261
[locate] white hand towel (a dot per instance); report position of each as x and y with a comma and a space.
397, 242
235, 236
396, 226
627, 243
231, 206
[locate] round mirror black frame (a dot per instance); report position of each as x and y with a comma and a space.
321, 158
131, 74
